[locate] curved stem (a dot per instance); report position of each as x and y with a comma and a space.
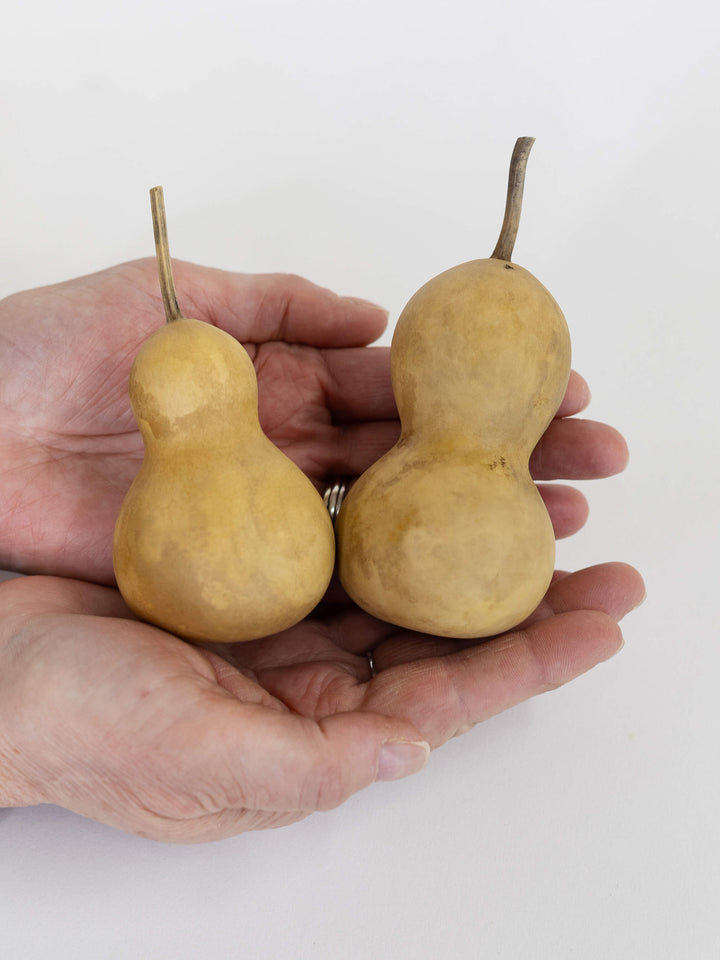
513, 205
162, 251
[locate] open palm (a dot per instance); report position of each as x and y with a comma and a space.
71, 447
126, 724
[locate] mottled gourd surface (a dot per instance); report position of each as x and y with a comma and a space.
447, 533
221, 537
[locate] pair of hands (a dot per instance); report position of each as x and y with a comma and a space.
124, 723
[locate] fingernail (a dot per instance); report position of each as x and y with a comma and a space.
401, 758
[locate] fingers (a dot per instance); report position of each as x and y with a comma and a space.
577, 396
358, 384
446, 696
358, 445
358, 390
567, 507
256, 308
578, 450
613, 588
570, 449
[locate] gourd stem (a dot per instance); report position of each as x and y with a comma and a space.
513, 205
162, 251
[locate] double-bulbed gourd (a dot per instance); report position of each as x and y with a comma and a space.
447, 533
220, 537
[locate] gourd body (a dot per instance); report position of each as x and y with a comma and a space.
447, 533
220, 537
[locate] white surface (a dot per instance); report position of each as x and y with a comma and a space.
365, 146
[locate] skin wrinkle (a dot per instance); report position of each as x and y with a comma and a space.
473, 716
531, 666
317, 693
225, 672
334, 388
278, 310
208, 308
164, 815
513, 656
356, 384
194, 306
21, 505
170, 828
466, 718
265, 793
514, 661
222, 825
267, 358
168, 797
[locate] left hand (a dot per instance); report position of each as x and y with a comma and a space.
70, 446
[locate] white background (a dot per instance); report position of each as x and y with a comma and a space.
365, 146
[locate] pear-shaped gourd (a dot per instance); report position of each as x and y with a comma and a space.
220, 537
447, 533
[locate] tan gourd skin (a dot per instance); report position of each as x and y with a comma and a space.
447, 533
221, 537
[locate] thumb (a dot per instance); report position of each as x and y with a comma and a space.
289, 763
259, 767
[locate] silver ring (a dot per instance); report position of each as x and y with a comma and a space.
371, 663
334, 496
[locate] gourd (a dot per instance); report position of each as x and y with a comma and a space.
221, 537
447, 533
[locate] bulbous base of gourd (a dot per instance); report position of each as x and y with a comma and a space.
462, 550
226, 551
